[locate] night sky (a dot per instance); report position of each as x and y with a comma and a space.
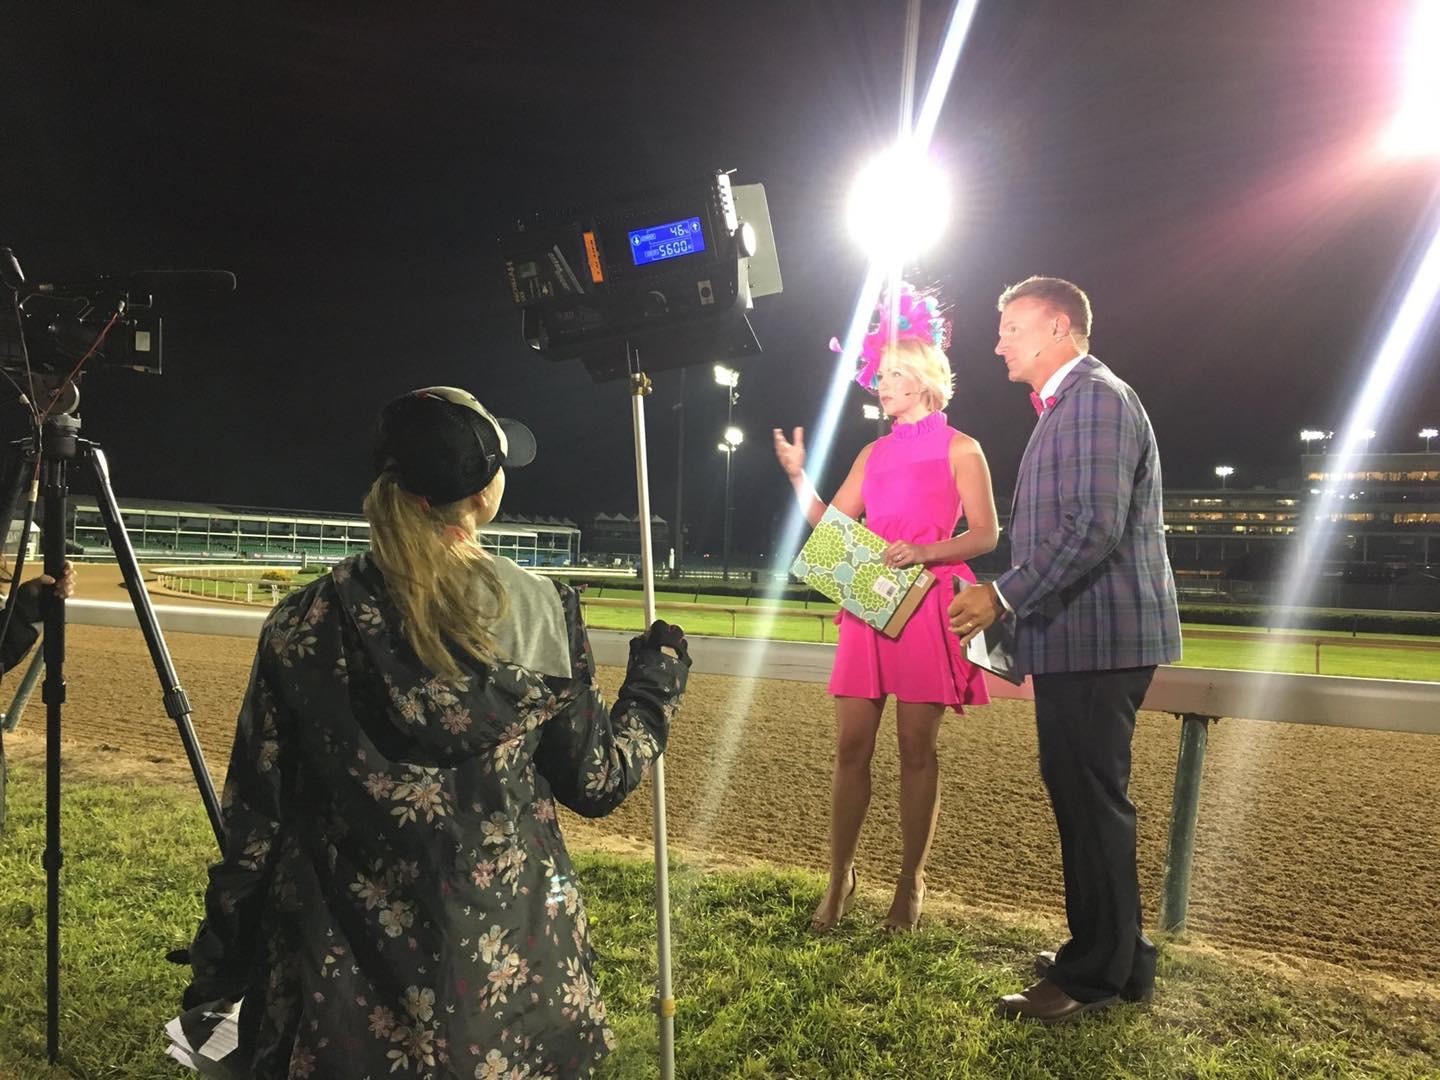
1204, 170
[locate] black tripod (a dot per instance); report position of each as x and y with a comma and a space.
59, 444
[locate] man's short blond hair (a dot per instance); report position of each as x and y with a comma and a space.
1057, 294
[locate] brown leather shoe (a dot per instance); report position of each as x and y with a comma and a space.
1048, 1004
1044, 961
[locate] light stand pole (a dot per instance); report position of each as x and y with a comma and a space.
733, 438
725, 543
1427, 434
678, 535
664, 994
729, 378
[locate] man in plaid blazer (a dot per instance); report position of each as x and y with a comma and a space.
1093, 600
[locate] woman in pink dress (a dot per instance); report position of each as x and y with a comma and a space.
912, 487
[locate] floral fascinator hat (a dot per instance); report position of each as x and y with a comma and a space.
912, 315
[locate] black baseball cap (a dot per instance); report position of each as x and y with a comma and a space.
442, 444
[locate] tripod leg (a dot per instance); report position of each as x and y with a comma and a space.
20, 471
54, 696
19, 464
11, 478
10, 718
177, 705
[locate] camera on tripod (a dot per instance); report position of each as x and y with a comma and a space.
50, 335
677, 269
112, 320
59, 328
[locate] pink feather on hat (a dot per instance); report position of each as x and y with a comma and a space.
917, 317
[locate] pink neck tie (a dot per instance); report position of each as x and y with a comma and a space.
1041, 404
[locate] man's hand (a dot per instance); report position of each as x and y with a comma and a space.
32, 590
974, 609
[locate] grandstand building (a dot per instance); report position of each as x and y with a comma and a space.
1211, 530
614, 539
1386, 509
200, 531
1384, 513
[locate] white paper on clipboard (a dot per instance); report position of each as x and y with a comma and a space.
993, 649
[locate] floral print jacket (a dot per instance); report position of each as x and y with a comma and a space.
395, 898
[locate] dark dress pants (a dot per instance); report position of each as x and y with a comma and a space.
1085, 721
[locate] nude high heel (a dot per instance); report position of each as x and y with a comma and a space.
911, 920
820, 925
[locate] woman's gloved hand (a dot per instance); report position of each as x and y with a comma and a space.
663, 635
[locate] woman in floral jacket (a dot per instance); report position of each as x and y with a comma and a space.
395, 898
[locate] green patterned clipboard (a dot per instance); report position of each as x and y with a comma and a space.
842, 560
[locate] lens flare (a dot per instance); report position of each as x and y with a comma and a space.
1387, 375
1415, 131
899, 205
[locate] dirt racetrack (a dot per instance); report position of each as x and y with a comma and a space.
1313, 843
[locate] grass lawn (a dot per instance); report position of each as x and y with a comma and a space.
1356, 660
1340, 658
759, 996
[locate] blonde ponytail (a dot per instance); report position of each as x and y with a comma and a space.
433, 564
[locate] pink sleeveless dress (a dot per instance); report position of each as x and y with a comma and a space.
909, 494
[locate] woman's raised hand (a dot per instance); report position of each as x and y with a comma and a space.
791, 455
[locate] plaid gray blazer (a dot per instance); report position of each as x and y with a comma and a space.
1091, 585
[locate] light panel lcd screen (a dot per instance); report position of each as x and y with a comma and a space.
672, 240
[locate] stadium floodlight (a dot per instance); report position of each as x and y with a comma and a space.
1427, 434
872, 412
726, 376
899, 204
734, 437
1309, 435
1413, 132
1224, 472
